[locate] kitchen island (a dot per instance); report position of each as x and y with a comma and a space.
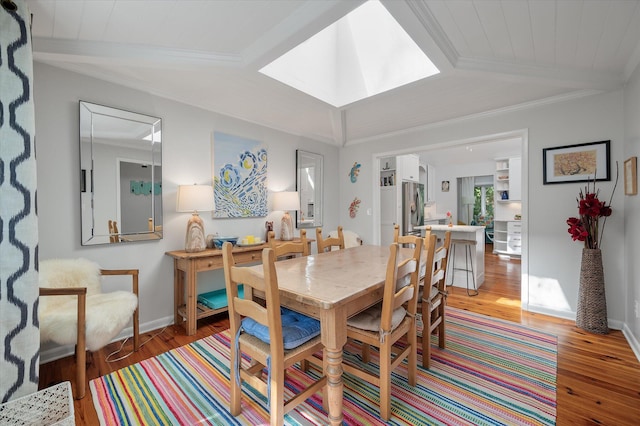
462, 232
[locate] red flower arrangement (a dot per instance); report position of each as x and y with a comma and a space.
587, 227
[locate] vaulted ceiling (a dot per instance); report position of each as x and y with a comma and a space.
492, 54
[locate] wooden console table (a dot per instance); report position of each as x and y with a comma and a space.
186, 266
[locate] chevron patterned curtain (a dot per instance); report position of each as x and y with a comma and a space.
19, 330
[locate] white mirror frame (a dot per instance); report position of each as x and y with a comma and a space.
309, 184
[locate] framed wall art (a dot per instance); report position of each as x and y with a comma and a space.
630, 176
239, 177
577, 163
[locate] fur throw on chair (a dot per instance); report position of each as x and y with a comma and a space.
106, 313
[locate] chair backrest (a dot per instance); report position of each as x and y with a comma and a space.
351, 239
410, 240
401, 284
268, 315
407, 239
327, 244
397, 238
440, 260
289, 248
114, 234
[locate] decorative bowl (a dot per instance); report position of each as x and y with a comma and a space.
219, 241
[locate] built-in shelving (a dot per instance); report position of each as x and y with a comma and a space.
388, 171
507, 235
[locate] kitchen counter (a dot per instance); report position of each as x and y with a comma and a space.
462, 232
435, 219
454, 228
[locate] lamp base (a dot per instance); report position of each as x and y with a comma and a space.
194, 240
286, 227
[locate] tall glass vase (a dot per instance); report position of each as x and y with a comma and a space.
591, 314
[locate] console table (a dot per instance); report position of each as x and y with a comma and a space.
186, 266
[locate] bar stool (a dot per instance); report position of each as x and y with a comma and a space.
468, 259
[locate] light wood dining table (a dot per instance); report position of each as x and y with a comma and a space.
332, 287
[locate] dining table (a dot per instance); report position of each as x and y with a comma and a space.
332, 287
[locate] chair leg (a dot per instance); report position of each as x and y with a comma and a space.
276, 405
235, 387
136, 330
366, 351
441, 326
426, 333
304, 365
81, 349
81, 371
385, 381
325, 389
412, 363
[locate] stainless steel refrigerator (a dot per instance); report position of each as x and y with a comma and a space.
412, 207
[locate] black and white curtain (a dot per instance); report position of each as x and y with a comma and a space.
19, 330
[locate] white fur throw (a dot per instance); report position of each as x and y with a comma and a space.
106, 313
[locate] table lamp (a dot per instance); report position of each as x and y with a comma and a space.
194, 198
286, 201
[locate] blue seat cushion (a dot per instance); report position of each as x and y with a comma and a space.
296, 328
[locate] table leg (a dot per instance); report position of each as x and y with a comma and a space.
178, 293
334, 337
192, 300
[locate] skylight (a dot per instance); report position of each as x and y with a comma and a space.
364, 53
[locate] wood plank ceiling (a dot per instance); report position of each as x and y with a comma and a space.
492, 54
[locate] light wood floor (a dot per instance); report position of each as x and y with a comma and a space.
598, 376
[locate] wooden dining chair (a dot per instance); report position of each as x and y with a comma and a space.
327, 244
289, 248
386, 323
114, 233
434, 296
272, 337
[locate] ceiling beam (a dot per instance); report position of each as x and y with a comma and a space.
96, 52
554, 75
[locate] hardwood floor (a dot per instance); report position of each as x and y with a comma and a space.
598, 376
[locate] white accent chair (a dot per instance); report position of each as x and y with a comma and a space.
80, 313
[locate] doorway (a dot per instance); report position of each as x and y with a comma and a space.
440, 156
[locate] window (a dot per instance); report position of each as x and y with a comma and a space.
483, 205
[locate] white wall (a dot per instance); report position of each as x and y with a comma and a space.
186, 137
632, 213
553, 258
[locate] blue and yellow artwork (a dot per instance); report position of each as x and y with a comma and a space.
239, 177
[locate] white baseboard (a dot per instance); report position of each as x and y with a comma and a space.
633, 342
58, 352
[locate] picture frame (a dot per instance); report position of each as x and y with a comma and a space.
445, 186
630, 176
583, 162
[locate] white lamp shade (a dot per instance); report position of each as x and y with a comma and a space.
192, 198
286, 201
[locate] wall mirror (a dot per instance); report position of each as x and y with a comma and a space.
120, 175
309, 186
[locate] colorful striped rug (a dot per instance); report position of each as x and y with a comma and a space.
492, 372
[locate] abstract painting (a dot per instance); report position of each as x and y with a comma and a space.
239, 177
